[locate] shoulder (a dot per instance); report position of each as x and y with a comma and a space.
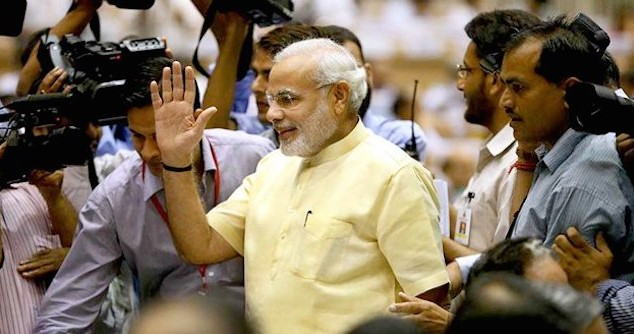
382, 155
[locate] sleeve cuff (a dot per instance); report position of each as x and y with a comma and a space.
465, 263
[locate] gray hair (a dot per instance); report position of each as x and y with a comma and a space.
334, 63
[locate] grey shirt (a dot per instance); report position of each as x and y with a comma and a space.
581, 182
119, 223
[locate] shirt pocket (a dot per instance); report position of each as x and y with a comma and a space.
320, 248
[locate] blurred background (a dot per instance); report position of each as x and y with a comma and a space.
404, 40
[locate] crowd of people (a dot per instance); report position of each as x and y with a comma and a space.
277, 197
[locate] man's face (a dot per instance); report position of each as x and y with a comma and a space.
261, 65
141, 124
299, 109
535, 106
472, 83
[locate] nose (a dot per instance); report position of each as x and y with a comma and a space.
150, 150
274, 113
506, 101
258, 86
460, 83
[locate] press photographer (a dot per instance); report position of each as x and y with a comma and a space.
95, 74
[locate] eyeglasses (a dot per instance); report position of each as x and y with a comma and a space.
286, 98
463, 70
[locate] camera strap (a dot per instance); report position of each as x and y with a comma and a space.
245, 52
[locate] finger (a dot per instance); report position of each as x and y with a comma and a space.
157, 102
48, 80
177, 81
166, 82
169, 53
564, 244
576, 239
202, 117
30, 266
38, 272
406, 297
563, 257
602, 245
57, 84
190, 85
406, 307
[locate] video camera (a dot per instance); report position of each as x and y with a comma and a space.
599, 109
264, 13
96, 73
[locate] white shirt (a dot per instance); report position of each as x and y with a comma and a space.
492, 186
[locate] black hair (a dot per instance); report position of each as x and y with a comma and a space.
508, 256
136, 90
341, 35
491, 31
501, 303
279, 38
565, 52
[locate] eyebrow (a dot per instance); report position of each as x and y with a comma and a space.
285, 91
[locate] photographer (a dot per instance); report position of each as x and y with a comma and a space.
124, 219
37, 227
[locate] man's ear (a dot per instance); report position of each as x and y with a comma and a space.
496, 86
570, 81
369, 74
341, 96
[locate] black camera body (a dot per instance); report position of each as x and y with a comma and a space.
96, 72
598, 109
264, 13
132, 4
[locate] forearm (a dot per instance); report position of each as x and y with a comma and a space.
221, 86
194, 239
63, 218
452, 249
73, 23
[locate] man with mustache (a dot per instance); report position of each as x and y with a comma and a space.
323, 220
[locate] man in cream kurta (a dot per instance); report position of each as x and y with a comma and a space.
333, 224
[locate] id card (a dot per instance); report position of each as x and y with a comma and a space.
463, 226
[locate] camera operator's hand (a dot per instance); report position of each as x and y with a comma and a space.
178, 127
48, 183
229, 27
3, 147
43, 263
54, 82
89, 4
586, 266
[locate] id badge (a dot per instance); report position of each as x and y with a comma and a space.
463, 223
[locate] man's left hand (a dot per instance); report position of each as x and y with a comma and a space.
427, 315
42, 263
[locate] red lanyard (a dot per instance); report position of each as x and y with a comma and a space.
202, 269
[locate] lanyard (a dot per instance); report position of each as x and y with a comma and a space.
202, 269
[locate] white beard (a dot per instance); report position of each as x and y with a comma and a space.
312, 133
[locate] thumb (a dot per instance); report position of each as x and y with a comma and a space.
203, 116
406, 297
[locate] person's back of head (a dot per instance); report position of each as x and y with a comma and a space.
136, 90
491, 31
503, 303
192, 315
386, 325
279, 38
509, 256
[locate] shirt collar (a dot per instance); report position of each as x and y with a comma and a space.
501, 141
341, 147
153, 184
562, 149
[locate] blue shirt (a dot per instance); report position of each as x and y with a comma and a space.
119, 223
581, 182
618, 303
396, 131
